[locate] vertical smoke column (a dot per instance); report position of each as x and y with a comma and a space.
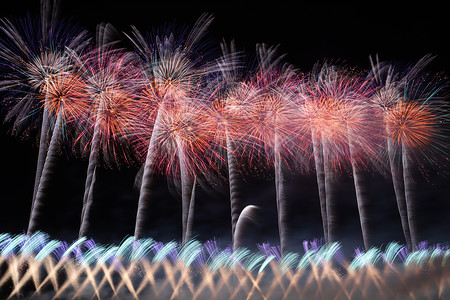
281, 197
414, 115
186, 189
320, 175
361, 193
48, 14
409, 197
399, 187
47, 171
147, 178
190, 218
228, 120
330, 195
65, 98
105, 34
41, 155
234, 185
111, 84
88, 199
272, 109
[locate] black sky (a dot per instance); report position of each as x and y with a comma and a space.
307, 34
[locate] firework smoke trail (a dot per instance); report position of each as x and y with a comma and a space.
103, 40
146, 184
234, 183
171, 70
111, 77
413, 126
179, 141
360, 120
30, 58
335, 112
386, 96
316, 118
329, 192
65, 98
413, 117
46, 20
49, 13
191, 212
50, 161
41, 155
361, 142
186, 188
361, 193
101, 44
229, 114
184, 139
271, 109
230, 139
329, 130
320, 176
313, 120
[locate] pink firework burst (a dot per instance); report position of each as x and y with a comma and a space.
335, 116
112, 78
271, 100
333, 106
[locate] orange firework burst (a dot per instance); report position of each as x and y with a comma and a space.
334, 107
117, 115
66, 93
29, 57
228, 97
272, 109
326, 115
111, 78
154, 94
173, 116
412, 108
411, 124
184, 137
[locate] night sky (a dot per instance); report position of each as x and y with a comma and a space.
307, 34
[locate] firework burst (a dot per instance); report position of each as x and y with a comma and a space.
111, 77
229, 115
183, 138
29, 59
173, 74
66, 92
335, 116
269, 130
191, 117
413, 113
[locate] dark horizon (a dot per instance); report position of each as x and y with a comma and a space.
310, 34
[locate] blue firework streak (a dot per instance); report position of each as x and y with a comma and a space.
133, 269
28, 58
86, 252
